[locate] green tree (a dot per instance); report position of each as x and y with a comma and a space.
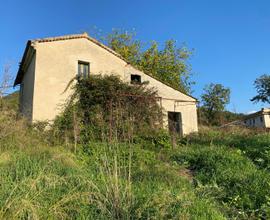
262, 85
214, 100
124, 44
168, 64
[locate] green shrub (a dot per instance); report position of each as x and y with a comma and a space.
255, 144
230, 177
112, 182
155, 139
105, 108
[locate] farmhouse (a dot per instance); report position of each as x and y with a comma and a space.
260, 119
49, 64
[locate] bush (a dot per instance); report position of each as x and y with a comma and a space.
252, 143
155, 139
231, 178
112, 182
104, 108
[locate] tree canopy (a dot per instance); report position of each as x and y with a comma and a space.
168, 64
262, 86
214, 100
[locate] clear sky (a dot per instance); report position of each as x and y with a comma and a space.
231, 38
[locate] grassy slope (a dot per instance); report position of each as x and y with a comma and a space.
144, 181
40, 180
11, 101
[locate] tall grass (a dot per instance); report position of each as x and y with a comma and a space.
226, 168
255, 144
39, 180
212, 175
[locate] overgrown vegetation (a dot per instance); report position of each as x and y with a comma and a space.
104, 108
221, 117
216, 174
40, 180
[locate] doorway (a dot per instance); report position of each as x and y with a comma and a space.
175, 123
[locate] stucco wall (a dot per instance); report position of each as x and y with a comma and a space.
257, 121
267, 120
57, 64
27, 90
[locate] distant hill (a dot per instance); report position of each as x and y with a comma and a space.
11, 101
222, 118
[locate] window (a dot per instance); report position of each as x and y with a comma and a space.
83, 69
261, 119
135, 79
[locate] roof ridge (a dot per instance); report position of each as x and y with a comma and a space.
86, 36
76, 36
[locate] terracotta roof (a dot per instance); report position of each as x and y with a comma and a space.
78, 36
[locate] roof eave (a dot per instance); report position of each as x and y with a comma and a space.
84, 35
20, 72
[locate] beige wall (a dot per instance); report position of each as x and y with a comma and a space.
57, 64
259, 121
27, 90
267, 120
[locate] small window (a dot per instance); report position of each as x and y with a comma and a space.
261, 119
83, 69
253, 121
135, 79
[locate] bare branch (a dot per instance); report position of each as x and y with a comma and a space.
6, 80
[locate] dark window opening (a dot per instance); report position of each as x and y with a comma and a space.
261, 118
83, 69
135, 79
175, 122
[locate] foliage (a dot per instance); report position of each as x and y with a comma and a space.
254, 144
216, 174
154, 139
230, 178
10, 101
214, 99
125, 44
168, 64
105, 108
262, 85
221, 118
106, 181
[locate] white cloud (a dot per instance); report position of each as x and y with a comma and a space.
250, 112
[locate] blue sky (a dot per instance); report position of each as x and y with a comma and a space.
231, 38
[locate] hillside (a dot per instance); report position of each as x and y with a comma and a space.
223, 117
213, 175
11, 101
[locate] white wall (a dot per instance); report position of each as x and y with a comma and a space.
256, 121
27, 90
57, 64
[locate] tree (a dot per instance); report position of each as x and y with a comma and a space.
214, 100
262, 85
125, 44
6, 79
168, 64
